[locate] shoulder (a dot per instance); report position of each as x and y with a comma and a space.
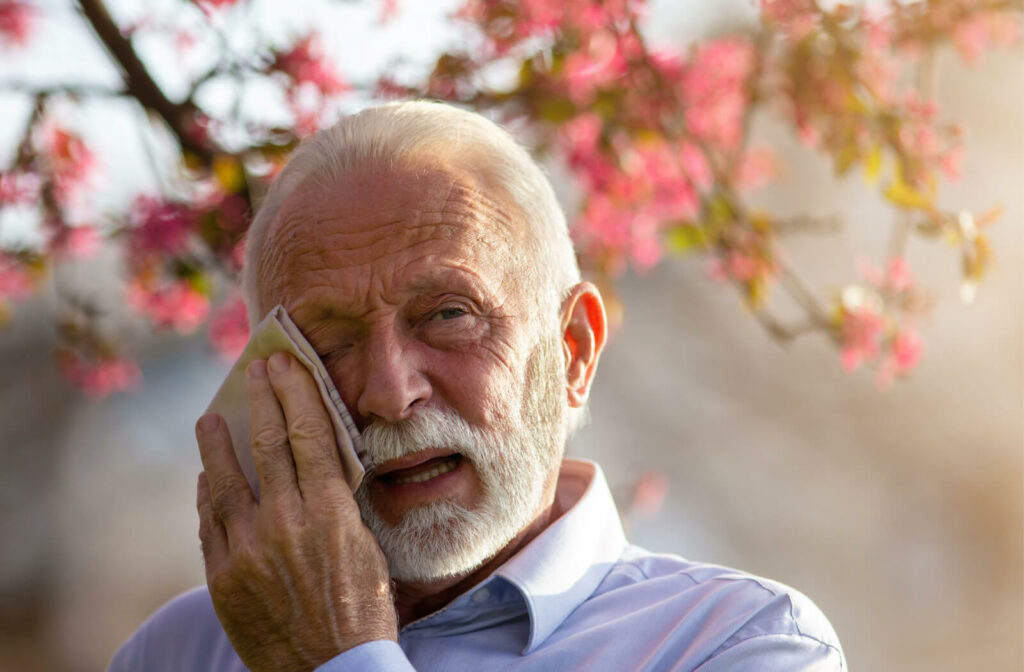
183, 634
719, 613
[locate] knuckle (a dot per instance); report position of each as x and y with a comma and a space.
221, 583
268, 437
320, 472
311, 428
278, 474
205, 542
285, 534
227, 493
334, 505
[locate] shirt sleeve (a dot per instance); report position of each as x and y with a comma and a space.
777, 653
377, 656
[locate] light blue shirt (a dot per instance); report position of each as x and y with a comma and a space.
577, 597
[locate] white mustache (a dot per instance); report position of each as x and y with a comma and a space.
429, 428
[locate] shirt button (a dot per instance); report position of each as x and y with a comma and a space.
481, 596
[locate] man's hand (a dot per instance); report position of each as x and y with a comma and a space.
296, 578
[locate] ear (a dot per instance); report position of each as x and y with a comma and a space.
584, 329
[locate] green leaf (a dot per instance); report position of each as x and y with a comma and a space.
902, 193
872, 164
556, 110
686, 238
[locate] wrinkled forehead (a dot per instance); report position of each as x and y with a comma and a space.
390, 215
364, 203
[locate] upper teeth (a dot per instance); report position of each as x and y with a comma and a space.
435, 471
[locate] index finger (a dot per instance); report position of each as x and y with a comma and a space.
310, 431
230, 496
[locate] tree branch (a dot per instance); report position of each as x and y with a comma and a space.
58, 89
139, 82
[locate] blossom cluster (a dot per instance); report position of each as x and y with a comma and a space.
16, 19
655, 138
874, 321
311, 79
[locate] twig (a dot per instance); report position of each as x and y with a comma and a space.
58, 89
797, 289
782, 333
926, 81
138, 81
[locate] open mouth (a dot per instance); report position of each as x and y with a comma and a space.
422, 472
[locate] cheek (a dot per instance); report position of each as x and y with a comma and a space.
484, 390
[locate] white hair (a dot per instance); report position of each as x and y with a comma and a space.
421, 133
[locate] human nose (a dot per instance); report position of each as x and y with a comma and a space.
393, 383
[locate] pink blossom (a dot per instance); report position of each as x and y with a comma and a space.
305, 63
604, 222
695, 165
507, 24
877, 30
16, 20
870, 272
160, 227
237, 256
71, 163
649, 492
1004, 28
646, 249
184, 41
229, 328
15, 280
746, 260
806, 131
99, 378
903, 355
795, 18
76, 241
582, 132
757, 167
304, 120
714, 88
666, 189
388, 10
18, 188
177, 306
231, 210
388, 88
740, 265
860, 336
952, 162
971, 38
898, 276
580, 139
603, 61
906, 349
210, 6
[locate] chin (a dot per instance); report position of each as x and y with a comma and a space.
439, 541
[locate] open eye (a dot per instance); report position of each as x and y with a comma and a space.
449, 313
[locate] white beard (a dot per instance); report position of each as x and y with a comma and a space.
514, 463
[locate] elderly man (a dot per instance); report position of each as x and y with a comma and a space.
424, 257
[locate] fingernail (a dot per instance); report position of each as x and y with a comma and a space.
279, 362
208, 422
257, 368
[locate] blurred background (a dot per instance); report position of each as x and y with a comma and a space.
899, 511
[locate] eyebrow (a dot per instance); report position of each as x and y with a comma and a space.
323, 306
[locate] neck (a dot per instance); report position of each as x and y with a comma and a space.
414, 600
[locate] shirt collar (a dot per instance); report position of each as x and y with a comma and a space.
553, 574
561, 567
